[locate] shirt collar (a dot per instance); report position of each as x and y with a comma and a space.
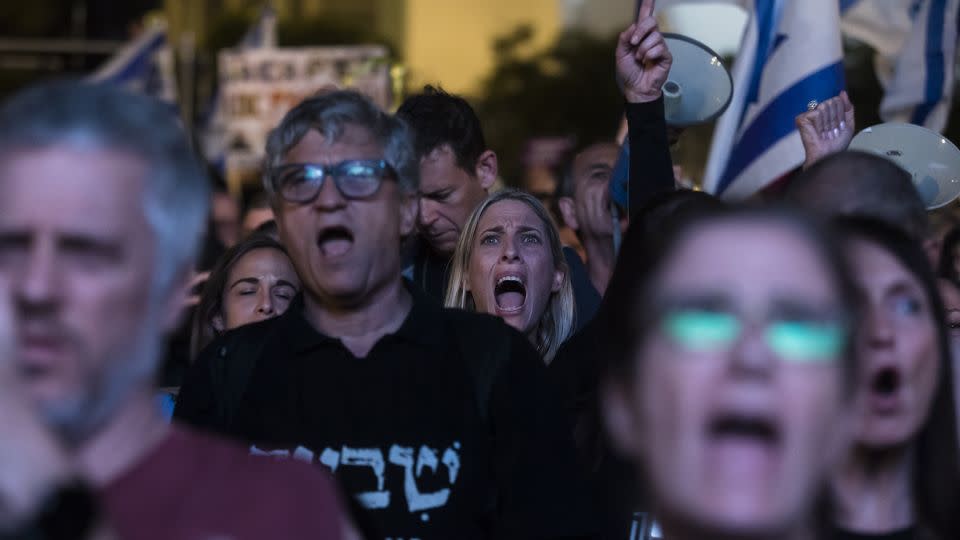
422, 326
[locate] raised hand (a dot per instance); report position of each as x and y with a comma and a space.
643, 59
827, 129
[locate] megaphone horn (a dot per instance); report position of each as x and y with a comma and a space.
699, 87
931, 159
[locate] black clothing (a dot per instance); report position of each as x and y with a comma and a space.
578, 365
404, 428
904, 534
651, 168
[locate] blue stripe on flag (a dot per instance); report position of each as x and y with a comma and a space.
142, 60
933, 54
847, 4
777, 120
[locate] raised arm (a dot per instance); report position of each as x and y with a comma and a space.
643, 63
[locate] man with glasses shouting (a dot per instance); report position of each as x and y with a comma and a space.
438, 422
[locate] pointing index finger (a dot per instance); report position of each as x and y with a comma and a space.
646, 9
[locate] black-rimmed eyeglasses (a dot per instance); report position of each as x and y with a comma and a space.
355, 179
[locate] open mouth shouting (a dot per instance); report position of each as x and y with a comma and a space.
510, 293
884, 390
744, 441
334, 241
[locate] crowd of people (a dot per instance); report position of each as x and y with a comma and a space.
390, 348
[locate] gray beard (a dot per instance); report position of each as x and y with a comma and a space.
130, 367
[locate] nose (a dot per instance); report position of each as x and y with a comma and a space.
40, 283
751, 356
879, 332
265, 306
509, 251
329, 199
427, 212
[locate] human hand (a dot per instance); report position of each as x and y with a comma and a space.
643, 59
827, 129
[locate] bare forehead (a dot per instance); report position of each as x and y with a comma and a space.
750, 259
353, 142
597, 154
80, 187
510, 214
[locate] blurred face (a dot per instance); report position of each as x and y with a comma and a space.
898, 348
592, 169
79, 254
735, 409
951, 303
260, 286
344, 249
512, 273
226, 218
254, 218
448, 195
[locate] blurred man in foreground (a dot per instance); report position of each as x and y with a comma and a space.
102, 207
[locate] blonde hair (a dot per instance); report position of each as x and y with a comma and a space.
556, 323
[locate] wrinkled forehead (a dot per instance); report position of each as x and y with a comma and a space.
511, 215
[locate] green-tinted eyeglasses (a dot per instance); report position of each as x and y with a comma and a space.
355, 179
795, 341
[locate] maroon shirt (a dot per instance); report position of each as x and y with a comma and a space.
196, 487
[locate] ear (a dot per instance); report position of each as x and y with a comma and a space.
217, 322
568, 213
408, 214
558, 276
486, 170
619, 419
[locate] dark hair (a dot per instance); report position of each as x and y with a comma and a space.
948, 253
860, 183
438, 118
211, 299
259, 200
936, 481
637, 271
329, 114
566, 183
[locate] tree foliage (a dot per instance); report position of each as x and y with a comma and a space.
567, 90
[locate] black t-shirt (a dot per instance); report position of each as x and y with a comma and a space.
403, 432
904, 534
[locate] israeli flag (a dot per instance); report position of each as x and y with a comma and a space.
145, 65
916, 45
262, 35
791, 55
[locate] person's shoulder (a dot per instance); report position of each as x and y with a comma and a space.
240, 338
263, 495
229, 463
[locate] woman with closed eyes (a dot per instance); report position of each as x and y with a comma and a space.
253, 281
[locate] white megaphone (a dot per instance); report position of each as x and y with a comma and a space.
931, 159
699, 87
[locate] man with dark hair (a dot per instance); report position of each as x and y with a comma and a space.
102, 208
439, 422
456, 172
860, 183
583, 196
